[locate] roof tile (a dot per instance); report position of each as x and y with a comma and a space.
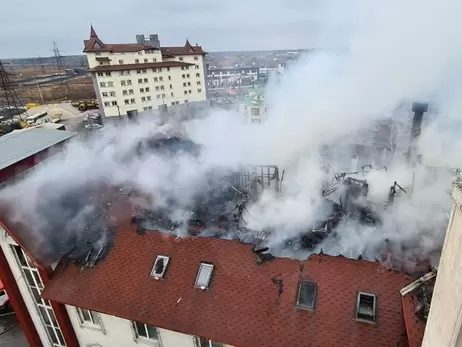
242, 306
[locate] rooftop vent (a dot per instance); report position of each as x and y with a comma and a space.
203, 275
160, 265
307, 295
365, 307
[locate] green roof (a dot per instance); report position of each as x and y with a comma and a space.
255, 97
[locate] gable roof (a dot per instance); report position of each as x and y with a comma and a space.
246, 304
95, 44
19, 145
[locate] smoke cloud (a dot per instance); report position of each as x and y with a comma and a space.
332, 101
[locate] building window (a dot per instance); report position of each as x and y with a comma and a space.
140, 80
365, 307
158, 96
180, 58
100, 74
161, 87
89, 318
159, 69
183, 76
156, 79
198, 75
168, 69
138, 71
144, 70
157, 88
199, 90
124, 92
255, 121
254, 111
104, 94
187, 67
127, 102
171, 94
141, 90
102, 84
107, 103
108, 73
154, 60
145, 60
137, 60
110, 84
190, 91
143, 99
121, 62
145, 80
35, 286
198, 83
182, 68
112, 94
114, 103
185, 92
196, 58
184, 84
209, 343
186, 101
130, 91
161, 79
149, 98
147, 89
306, 294
129, 82
132, 101
169, 78
197, 67
122, 83
145, 332
204, 274
187, 75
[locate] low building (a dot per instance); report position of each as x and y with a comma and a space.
253, 106
136, 77
232, 77
444, 325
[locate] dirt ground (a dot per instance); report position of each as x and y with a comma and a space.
81, 88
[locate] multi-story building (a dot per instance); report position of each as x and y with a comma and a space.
444, 325
135, 77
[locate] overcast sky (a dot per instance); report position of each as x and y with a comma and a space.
29, 27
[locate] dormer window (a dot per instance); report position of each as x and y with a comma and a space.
366, 307
97, 45
160, 266
204, 275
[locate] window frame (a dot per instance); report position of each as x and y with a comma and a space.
201, 266
301, 284
90, 325
373, 319
143, 339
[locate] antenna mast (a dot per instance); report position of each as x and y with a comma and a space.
61, 67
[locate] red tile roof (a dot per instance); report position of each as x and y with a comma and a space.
242, 306
415, 327
101, 68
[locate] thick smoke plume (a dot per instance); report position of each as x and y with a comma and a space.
355, 94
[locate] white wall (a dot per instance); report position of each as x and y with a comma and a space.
172, 82
23, 287
445, 318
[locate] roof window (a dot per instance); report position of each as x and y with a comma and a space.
160, 265
307, 295
203, 275
365, 307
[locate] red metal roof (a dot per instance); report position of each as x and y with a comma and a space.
95, 44
242, 306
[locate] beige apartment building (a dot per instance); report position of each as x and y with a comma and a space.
444, 323
136, 77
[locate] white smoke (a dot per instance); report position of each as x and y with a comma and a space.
390, 53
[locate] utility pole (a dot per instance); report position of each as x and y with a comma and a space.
61, 68
8, 98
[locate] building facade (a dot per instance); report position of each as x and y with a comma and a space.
253, 107
132, 78
444, 325
232, 77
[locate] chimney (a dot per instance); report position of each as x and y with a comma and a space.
140, 39
154, 40
419, 109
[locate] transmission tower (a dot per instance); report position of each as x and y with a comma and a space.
9, 101
61, 67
